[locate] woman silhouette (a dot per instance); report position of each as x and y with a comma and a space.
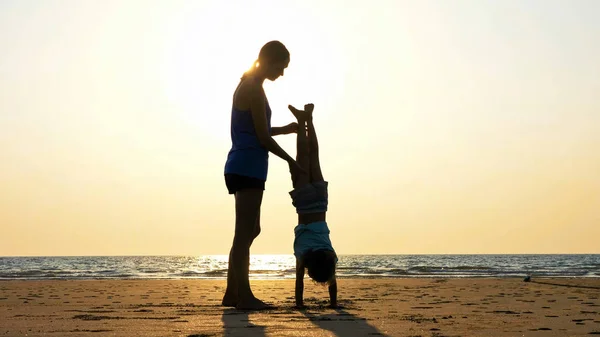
247, 165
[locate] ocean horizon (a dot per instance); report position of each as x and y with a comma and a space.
282, 266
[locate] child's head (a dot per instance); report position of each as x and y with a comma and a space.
320, 265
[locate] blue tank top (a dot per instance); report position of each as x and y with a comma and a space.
247, 156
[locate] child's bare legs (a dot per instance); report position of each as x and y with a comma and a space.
315, 165
307, 146
302, 148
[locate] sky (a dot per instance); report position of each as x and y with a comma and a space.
445, 127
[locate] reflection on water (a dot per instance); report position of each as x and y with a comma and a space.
283, 266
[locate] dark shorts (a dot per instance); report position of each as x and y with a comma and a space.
237, 182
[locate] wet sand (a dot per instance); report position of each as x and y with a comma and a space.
370, 307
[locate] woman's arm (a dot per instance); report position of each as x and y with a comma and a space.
259, 116
284, 130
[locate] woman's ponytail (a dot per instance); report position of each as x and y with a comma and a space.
250, 71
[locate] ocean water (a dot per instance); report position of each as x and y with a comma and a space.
282, 266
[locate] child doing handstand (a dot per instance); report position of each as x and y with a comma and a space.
312, 246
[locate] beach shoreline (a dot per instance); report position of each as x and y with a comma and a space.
370, 307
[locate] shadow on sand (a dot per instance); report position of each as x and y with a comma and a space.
566, 285
237, 323
343, 324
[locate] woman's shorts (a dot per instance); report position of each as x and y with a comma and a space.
236, 182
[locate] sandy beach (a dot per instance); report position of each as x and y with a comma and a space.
370, 307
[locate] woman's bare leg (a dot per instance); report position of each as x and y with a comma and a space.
247, 214
231, 298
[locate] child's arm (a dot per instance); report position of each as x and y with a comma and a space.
299, 283
333, 293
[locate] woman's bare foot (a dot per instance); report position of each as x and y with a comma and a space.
252, 304
230, 300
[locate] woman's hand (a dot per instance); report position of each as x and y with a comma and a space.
290, 128
284, 130
296, 169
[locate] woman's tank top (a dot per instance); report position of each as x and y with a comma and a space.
247, 156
